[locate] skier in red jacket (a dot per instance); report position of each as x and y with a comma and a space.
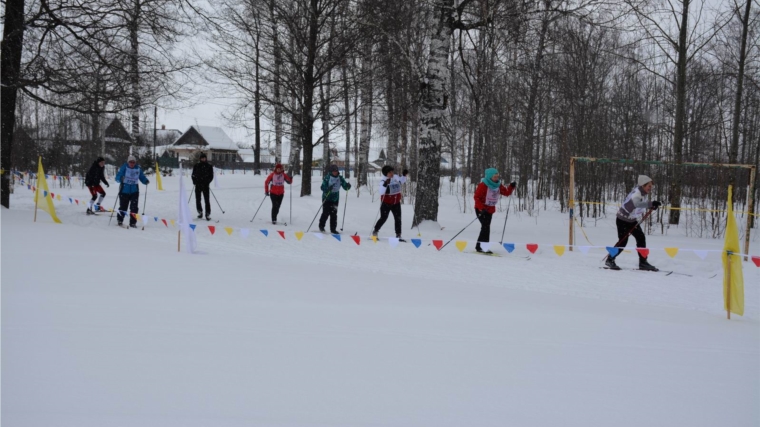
487, 196
278, 178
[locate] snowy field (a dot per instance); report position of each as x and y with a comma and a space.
103, 326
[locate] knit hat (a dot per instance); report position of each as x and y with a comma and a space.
202, 156
99, 159
278, 166
644, 180
131, 159
334, 168
386, 169
490, 172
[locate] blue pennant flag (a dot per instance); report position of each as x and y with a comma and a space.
192, 226
337, 236
155, 218
71, 201
265, 232
44, 193
509, 247
613, 251
416, 242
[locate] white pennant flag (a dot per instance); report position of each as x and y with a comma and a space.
584, 249
244, 232
185, 218
319, 236
393, 241
145, 220
485, 245
701, 254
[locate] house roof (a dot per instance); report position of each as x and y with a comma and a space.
205, 137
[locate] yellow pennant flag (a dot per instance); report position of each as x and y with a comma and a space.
158, 178
671, 251
44, 201
58, 196
559, 249
733, 278
461, 244
299, 235
172, 221
374, 239
228, 230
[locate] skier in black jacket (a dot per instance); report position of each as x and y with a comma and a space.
92, 180
203, 174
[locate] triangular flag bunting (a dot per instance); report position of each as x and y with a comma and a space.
337, 236
58, 197
71, 201
145, 219
193, 226
319, 236
509, 247
559, 249
584, 249
76, 201
172, 222
281, 233
52, 196
438, 244
212, 229
701, 254
460, 244
393, 241
374, 239
645, 252
356, 239
756, 260
532, 247
299, 235
164, 221
155, 218
671, 251
416, 242
244, 232
228, 230
485, 245
265, 232
613, 251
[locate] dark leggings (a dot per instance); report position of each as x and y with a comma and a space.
485, 225
385, 209
623, 228
276, 202
329, 209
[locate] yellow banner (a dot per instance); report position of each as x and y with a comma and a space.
733, 278
158, 178
44, 200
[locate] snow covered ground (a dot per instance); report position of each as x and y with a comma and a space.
103, 326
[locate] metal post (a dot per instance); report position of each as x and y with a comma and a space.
571, 203
751, 211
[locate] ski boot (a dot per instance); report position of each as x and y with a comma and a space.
208, 217
334, 232
400, 239
645, 265
322, 230
200, 215
610, 264
90, 212
480, 250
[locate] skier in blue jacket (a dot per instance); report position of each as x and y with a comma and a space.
129, 192
331, 185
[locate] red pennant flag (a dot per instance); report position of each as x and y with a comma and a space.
212, 229
132, 215
756, 260
438, 244
357, 239
532, 247
76, 201
34, 189
52, 196
164, 221
643, 251
281, 233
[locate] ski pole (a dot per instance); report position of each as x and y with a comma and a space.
257, 210
460, 232
649, 212
145, 200
505, 222
320, 208
217, 201
191, 194
114, 203
343, 221
290, 205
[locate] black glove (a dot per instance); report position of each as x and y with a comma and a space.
348, 187
405, 172
656, 204
107, 186
147, 181
513, 184
387, 182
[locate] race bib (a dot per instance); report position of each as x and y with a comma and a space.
334, 184
131, 176
395, 187
278, 179
492, 197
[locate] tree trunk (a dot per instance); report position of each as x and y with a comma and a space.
366, 116
276, 89
307, 119
10, 64
739, 83
346, 106
680, 116
257, 114
134, 63
433, 113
